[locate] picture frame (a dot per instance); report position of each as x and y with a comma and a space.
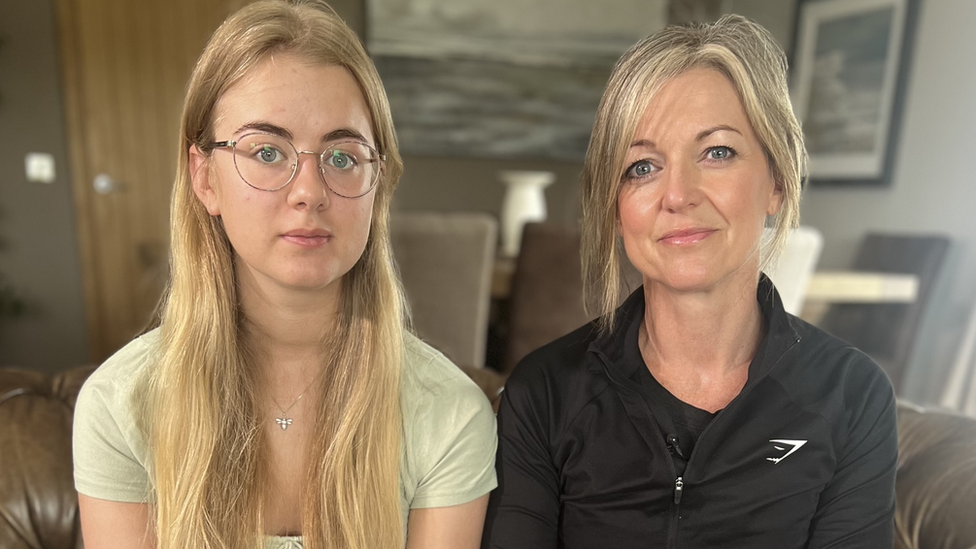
505, 79
850, 67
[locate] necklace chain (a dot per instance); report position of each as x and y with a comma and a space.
284, 421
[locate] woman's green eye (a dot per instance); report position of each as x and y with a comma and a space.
266, 154
340, 160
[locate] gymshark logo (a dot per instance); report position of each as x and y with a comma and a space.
796, 444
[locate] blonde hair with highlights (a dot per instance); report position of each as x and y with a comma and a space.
749, 57
209, 467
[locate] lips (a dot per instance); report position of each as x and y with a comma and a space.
682, 237
309, 238
309, 233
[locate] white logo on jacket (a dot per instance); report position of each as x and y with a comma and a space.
796, 445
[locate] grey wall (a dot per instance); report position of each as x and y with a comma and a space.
38, 248
934, 187
431, 183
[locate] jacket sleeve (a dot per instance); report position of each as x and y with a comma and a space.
523, 512
857, 506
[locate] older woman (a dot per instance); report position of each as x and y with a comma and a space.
282, 402
699, 413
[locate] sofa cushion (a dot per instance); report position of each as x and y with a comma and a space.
936, 487
38, 503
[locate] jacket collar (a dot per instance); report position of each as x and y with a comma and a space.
618, 346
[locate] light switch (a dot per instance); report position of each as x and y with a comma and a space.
40, 167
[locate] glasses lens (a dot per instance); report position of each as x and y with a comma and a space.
265, 161
350, 168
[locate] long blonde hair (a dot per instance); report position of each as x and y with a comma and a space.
208, 459
748, 56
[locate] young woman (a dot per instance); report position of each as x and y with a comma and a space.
281, 402
698, 414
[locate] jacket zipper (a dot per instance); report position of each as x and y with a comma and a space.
679, 484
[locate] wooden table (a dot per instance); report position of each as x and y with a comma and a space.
827, 287
824, 287
861, 287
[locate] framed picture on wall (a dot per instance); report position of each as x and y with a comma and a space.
501, 79
850, 66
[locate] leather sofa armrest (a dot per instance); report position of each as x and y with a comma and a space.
936, 480
38, 502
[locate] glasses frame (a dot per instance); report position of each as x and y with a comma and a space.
231, 145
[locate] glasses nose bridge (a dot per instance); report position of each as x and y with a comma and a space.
317, 155
318, 163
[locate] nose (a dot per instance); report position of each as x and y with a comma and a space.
681, 187
308, 189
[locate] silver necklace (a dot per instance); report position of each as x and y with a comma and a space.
284, 421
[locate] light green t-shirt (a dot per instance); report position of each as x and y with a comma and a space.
448, 445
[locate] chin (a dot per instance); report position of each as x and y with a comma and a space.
706, 279
689, 278
311, 281
689, 285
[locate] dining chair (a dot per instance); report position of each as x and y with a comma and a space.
887, 331
792, 271
959, 391
445, 263
546, 299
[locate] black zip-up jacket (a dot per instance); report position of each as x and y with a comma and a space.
803, 457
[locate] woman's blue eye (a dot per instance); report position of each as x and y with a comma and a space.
720, 153
640, 169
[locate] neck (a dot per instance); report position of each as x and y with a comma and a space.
710, 332
287, 326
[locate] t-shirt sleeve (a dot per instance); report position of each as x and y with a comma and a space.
453, 438
106, 442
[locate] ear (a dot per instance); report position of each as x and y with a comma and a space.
200, 177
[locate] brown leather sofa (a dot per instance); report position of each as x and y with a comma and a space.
38, 502
936, 487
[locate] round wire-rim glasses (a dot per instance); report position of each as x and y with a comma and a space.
350, 168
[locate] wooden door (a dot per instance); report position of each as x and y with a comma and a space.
125, 66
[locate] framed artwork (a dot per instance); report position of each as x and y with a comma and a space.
501, 79
850, 67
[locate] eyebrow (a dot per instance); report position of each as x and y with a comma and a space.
723, 128
701, 135
265, 127
334, 135
344, 133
